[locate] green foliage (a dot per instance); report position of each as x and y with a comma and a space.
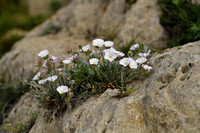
181, 19
21, 125
84, 77
126, 46
109, 33
55, 5
14, 15
130, 2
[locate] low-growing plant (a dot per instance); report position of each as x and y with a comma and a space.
87, 71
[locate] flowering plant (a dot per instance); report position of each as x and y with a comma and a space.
90, 70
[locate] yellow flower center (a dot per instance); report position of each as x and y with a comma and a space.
126, 63
110, 56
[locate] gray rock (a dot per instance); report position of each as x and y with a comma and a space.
79, 23
168, 101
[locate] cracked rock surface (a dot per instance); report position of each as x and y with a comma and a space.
168, 101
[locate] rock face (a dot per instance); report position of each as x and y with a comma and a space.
168, 101
38, 7
79, 23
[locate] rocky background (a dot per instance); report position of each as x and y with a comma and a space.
169, 98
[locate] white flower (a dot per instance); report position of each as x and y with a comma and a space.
128, 61
52, 78
42, 81
62, 89
145, 54
94, 61
43, 53
147, 68
108, 43
98, 42
73, 57
124, 61
141, 60
67, 61
133, 64
45, 64
53, 57
92, 52
134, 47
119, 54
110, 54
37, 76
85, 48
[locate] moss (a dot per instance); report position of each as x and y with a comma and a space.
181, 19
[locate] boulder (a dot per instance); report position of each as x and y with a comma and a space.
168, 101
79, 23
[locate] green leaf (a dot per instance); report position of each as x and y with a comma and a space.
132, 90
177, 2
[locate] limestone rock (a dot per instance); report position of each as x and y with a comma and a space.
168, 101
142, 23
79, 23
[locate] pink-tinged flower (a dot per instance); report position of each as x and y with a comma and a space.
62, 89
147, 68
94, 61
141, 60
85, 48
43, 53
39, 62
59, 59
145, 54
110, 54
42, 81
53, 58
68, 50
60, 71
128, 61
98, 42
134, 47
108, 43
37, 76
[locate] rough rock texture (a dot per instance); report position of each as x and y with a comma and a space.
20, 62
79, 23
38, 7
168, 101
142, 22
196, 1
23, 110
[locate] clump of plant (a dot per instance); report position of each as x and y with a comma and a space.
88, 71
181, 19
